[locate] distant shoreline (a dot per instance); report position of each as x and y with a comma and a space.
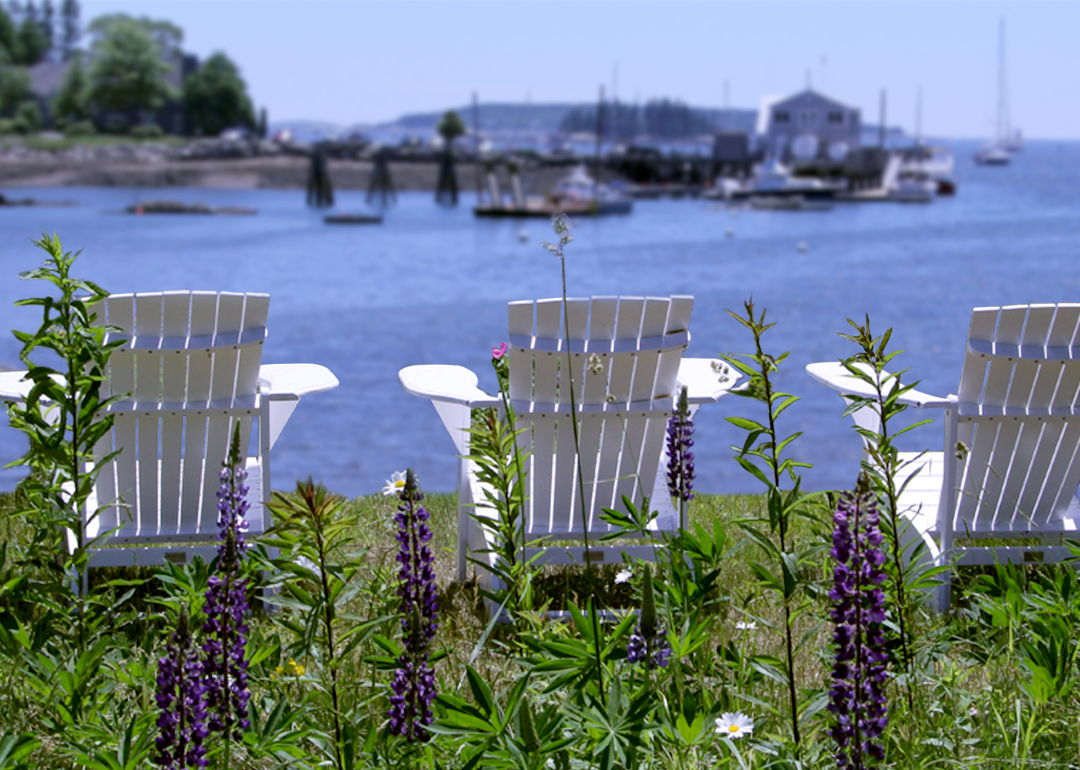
266, 173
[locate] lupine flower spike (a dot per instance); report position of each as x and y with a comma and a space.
857, 696
225, 660
680, 434
414, 679
180, 696
649, 641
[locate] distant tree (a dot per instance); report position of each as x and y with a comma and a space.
669, 119
451, 127
7, 37
127, 70
70, 29
167, 36
14, 88
216, 97
48, 26
32, 45
72, 102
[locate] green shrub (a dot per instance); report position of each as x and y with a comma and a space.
146, 131
27, 118
80, 128
8, 126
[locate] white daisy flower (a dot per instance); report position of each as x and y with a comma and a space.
623, 575
395, 483
746, 625
734, 725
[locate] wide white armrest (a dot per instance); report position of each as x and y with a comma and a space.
13, 387
295, 380
452, 384
703, 384
833, 374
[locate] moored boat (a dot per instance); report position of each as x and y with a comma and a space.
773, 179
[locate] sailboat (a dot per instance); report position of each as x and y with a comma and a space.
998, 152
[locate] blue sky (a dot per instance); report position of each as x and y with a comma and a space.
362, 61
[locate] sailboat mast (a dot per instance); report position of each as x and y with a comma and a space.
599, 138
918, 118
1003, 89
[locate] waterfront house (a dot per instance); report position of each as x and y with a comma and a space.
810, 126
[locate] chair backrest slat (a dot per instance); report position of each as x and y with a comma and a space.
1018, 396
620, 354
187, 349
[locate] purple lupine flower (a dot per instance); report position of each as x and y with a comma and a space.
181, 698
639, 646
414, 680
649, 641
857, 695
233, 504
225, 660
680, 459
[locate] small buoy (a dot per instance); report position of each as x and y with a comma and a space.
523, 235
802, 247
729, 232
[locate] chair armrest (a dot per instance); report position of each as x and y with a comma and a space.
703, 384
294, 380
13, 387
837, 377
452, 384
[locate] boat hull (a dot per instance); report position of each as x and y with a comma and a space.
546, 211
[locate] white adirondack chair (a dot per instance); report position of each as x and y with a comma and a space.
192, 364
1011, 464
622, 411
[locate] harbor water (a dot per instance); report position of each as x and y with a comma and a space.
431, 284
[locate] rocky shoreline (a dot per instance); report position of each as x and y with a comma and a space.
238, 165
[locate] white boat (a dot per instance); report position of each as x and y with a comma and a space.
993, 155
937, 163
913, 186
773, 178
578, 190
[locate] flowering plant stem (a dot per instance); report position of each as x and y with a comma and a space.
312, 530
64, 416
759, 366
857, 697
493, 448
562, 229
882, 465
226, 606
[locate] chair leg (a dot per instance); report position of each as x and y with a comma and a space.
943, 595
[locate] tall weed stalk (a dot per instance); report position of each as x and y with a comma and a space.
64, 416
761, 455
887, 473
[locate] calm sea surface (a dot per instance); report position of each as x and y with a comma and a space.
431, 286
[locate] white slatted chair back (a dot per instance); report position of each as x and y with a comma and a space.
1017, 415
191, 364
625, 354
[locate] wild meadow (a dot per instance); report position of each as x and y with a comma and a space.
786, 629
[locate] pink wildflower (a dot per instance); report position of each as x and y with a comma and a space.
500, 351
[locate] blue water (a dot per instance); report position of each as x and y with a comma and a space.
431, 285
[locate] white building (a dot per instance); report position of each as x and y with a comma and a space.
810, 126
